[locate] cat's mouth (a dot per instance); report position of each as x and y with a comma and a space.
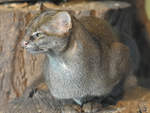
32, 48
34, 51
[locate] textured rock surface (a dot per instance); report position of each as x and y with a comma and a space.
136, 100
18, 69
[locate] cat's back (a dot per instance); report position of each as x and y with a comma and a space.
99, 27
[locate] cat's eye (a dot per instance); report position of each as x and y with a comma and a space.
39, 35
36, 35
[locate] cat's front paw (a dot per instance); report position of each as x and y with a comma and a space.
71, 109
91, 107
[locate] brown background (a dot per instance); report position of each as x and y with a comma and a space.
19, 69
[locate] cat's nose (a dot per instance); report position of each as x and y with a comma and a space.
24, 43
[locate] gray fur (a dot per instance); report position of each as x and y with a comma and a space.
81, 63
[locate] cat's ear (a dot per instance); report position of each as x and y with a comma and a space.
42, 7
62, 21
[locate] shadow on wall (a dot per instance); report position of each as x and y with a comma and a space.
133, 21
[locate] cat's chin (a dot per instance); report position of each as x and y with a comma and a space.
36, 51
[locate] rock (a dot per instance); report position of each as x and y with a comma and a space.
71, 109
18, 69
91, 107
136, 100
41, 102
14, 5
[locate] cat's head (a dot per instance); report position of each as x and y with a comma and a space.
47, 32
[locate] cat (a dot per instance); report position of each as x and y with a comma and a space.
85, 58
